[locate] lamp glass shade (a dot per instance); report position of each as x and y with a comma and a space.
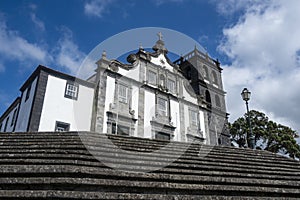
246, 94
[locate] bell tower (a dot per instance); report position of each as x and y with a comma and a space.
205, 77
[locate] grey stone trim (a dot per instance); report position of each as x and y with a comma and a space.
65, 125
182, 123
75, 84
37, 102
99, 102
56, 74
94, 108
206, 124
141, 113
121, 112
158, 126
194, 138
120, 120
167, 115
122, 107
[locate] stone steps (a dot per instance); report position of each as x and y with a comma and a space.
38, 194
60, 166
83, 171
109, 152
161, 187
73, 137
135, 185
151, 147
128, 160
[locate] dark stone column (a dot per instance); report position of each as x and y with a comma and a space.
100, 102
141, 113
38, 101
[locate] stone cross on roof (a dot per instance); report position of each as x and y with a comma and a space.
160, 45
160, 36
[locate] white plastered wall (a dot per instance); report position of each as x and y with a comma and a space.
109, 99
135, 106
202, 126
149, 113
162, 61
175, 118
57, 107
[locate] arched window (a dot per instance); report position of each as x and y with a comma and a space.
189, 73
205, 72
162, 80
207, 98
215, 78
218, 102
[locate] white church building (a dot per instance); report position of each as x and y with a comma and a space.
149, 97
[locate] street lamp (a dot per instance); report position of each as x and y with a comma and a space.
246, 97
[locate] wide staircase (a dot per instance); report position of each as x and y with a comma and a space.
87, 165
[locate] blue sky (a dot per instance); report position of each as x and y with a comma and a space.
257, 42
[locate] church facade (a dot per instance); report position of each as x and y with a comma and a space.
148, 96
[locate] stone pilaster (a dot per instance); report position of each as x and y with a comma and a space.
141, 113
182, 136
100, 102
38, 101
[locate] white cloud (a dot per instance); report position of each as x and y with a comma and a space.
229, 7
96, 8
203, 39
38, 23
14, 47
67, 52
263, 46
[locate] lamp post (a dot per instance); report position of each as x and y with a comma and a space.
246, 97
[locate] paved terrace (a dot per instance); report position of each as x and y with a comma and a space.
59, 166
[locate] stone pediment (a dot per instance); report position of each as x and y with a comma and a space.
163, 61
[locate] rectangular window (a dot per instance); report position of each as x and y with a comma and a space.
61, 126
123, 93
152, 77
162, 136
0, 127
14, 117
28, 92
171, 85
121, 130
162, 106
71, 91
194, 117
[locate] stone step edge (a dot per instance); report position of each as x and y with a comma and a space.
41, 194
117, 184
120, 157
25, 170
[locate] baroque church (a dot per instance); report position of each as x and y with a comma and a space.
149, 96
